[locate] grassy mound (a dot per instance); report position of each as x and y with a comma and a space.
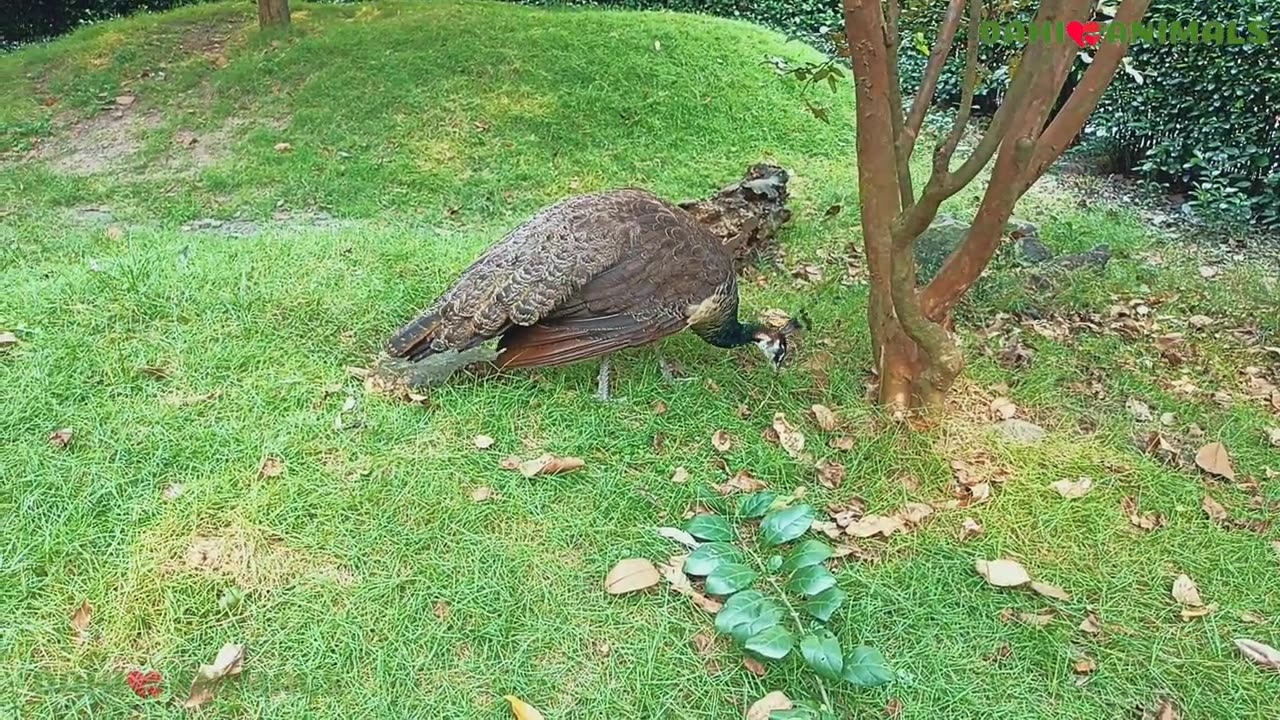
357, 163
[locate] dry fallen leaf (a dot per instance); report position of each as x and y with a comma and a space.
872, 525
483, 493
1252, 617
823, 417
271, 467
61, 438
1002, 573
631, 575
1035, 619
893, 710
914, 513
1072, 489
210, 677
1050, 591
1214, 509
788, 437
680, 476
721, 441
775, 318
80, 622
1167, 711
761, 708
673, 572
742, 481
1185, 592
753, 666
1084, 665
7, 340
830, 475
1213, 459
1191, 613
550, 465
842, 442
970, 528
482, 442
1273, 436
1091, 624
283, 147
1262, 654
659, 408
1002, 408
680, 536
1142, 521
522, 710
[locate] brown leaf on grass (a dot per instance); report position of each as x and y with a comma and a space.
1050, 591
1084, 665
1252, 617
631, 575
522, 710
1002, 572
1035, 619
283, 147
721, 441
762, 708
511, 462
843, 443
703, 643
1214, 510
80, 622
1185, 592
680, 475
1167, 711
970, 528
872, 525
830, 475
1091, 624
1214, 459
753, 666
914, 513
174, 491
679, 536
210, 677
791, 440
775, 318
1261, 653
1142, 521
659, 408
1072, 489
483, 493
742, 481
1191, 613
823, 418
550, 465
180, 399
482, 442
7, 340
1002, 408
62, 437
271, 467
1273, 436
893, 710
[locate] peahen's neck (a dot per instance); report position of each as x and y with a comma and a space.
733, 334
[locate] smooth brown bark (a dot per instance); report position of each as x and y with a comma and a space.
917, 358
273, 13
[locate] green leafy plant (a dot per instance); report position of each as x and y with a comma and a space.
779, 593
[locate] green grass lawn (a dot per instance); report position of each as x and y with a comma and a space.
373, 585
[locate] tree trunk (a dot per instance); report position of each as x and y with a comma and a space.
273, 13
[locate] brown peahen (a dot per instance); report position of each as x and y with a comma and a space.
586, 277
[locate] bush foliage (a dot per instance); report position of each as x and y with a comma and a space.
1196, 116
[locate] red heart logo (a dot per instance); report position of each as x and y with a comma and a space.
1084, 33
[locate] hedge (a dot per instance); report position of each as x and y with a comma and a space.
1200, 118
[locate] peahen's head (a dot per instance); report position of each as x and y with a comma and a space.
773, 341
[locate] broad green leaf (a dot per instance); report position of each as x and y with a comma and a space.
773, 643
821, 652
811, 580
866, 667
824, 604
809, 552
786, 524
756, 504
729, 578
775, 562
747, 613
709, 527
707, 557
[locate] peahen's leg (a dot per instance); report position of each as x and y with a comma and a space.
602, 390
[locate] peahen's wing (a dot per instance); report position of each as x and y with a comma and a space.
533, 271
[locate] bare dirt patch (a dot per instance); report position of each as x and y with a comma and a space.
256, 563
101, 143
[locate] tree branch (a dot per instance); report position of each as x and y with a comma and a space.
906, 189
933, 70
1084, 98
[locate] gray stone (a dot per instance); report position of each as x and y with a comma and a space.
1020, 431
1098, 258
933, 246
1033, 250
